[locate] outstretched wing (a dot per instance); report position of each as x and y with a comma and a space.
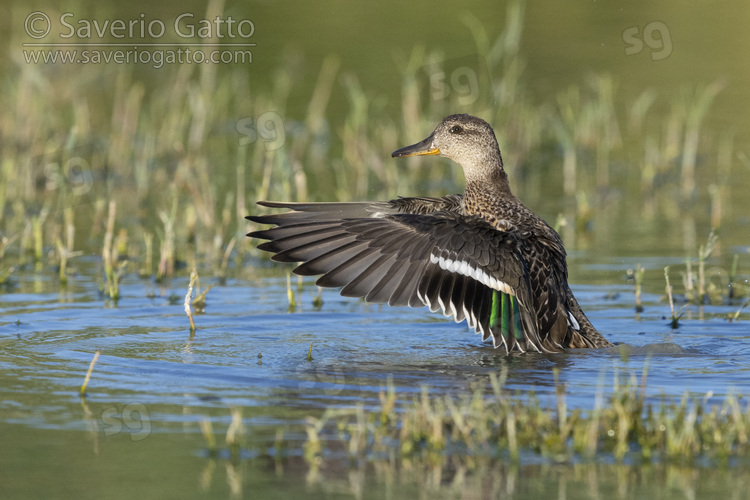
458, 264
332, 211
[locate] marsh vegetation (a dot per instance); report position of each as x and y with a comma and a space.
117, 185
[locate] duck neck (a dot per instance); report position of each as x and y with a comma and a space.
486, 183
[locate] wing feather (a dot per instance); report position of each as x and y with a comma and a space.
389, 252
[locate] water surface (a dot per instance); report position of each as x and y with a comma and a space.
154, 382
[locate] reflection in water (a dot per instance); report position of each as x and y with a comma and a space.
484, 477
93, 425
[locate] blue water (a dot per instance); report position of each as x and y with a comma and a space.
155, 385
249, 351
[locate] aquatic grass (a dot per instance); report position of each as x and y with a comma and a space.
113, 269
199, 301
37, 224
704, 283
225, 258
188, 297
513, 426
638, 278
586, 121
696, 104
195, 299
714, 284
675, 316
719, 191
564, 126
64, 250
167, 246
701, 295
5, 275
63, 266
732, 317
4, 242
162, 151
84, 386
291, 297
147, 263
184, 161
143, 142
733, 277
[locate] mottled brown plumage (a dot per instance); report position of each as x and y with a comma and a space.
484, 256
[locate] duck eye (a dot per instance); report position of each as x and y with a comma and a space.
456, 129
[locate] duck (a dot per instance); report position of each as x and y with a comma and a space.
482, 256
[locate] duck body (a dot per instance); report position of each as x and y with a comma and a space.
483, 256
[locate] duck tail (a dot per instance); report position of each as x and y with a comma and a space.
583, 333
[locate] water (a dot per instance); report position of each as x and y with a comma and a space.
154, 383
138, 433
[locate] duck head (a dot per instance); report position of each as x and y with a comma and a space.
465, 139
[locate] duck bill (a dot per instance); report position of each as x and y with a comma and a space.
421, 148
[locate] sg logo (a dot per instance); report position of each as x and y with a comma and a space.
133, 419
463, 81
457, 78
269, 127
655, 35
